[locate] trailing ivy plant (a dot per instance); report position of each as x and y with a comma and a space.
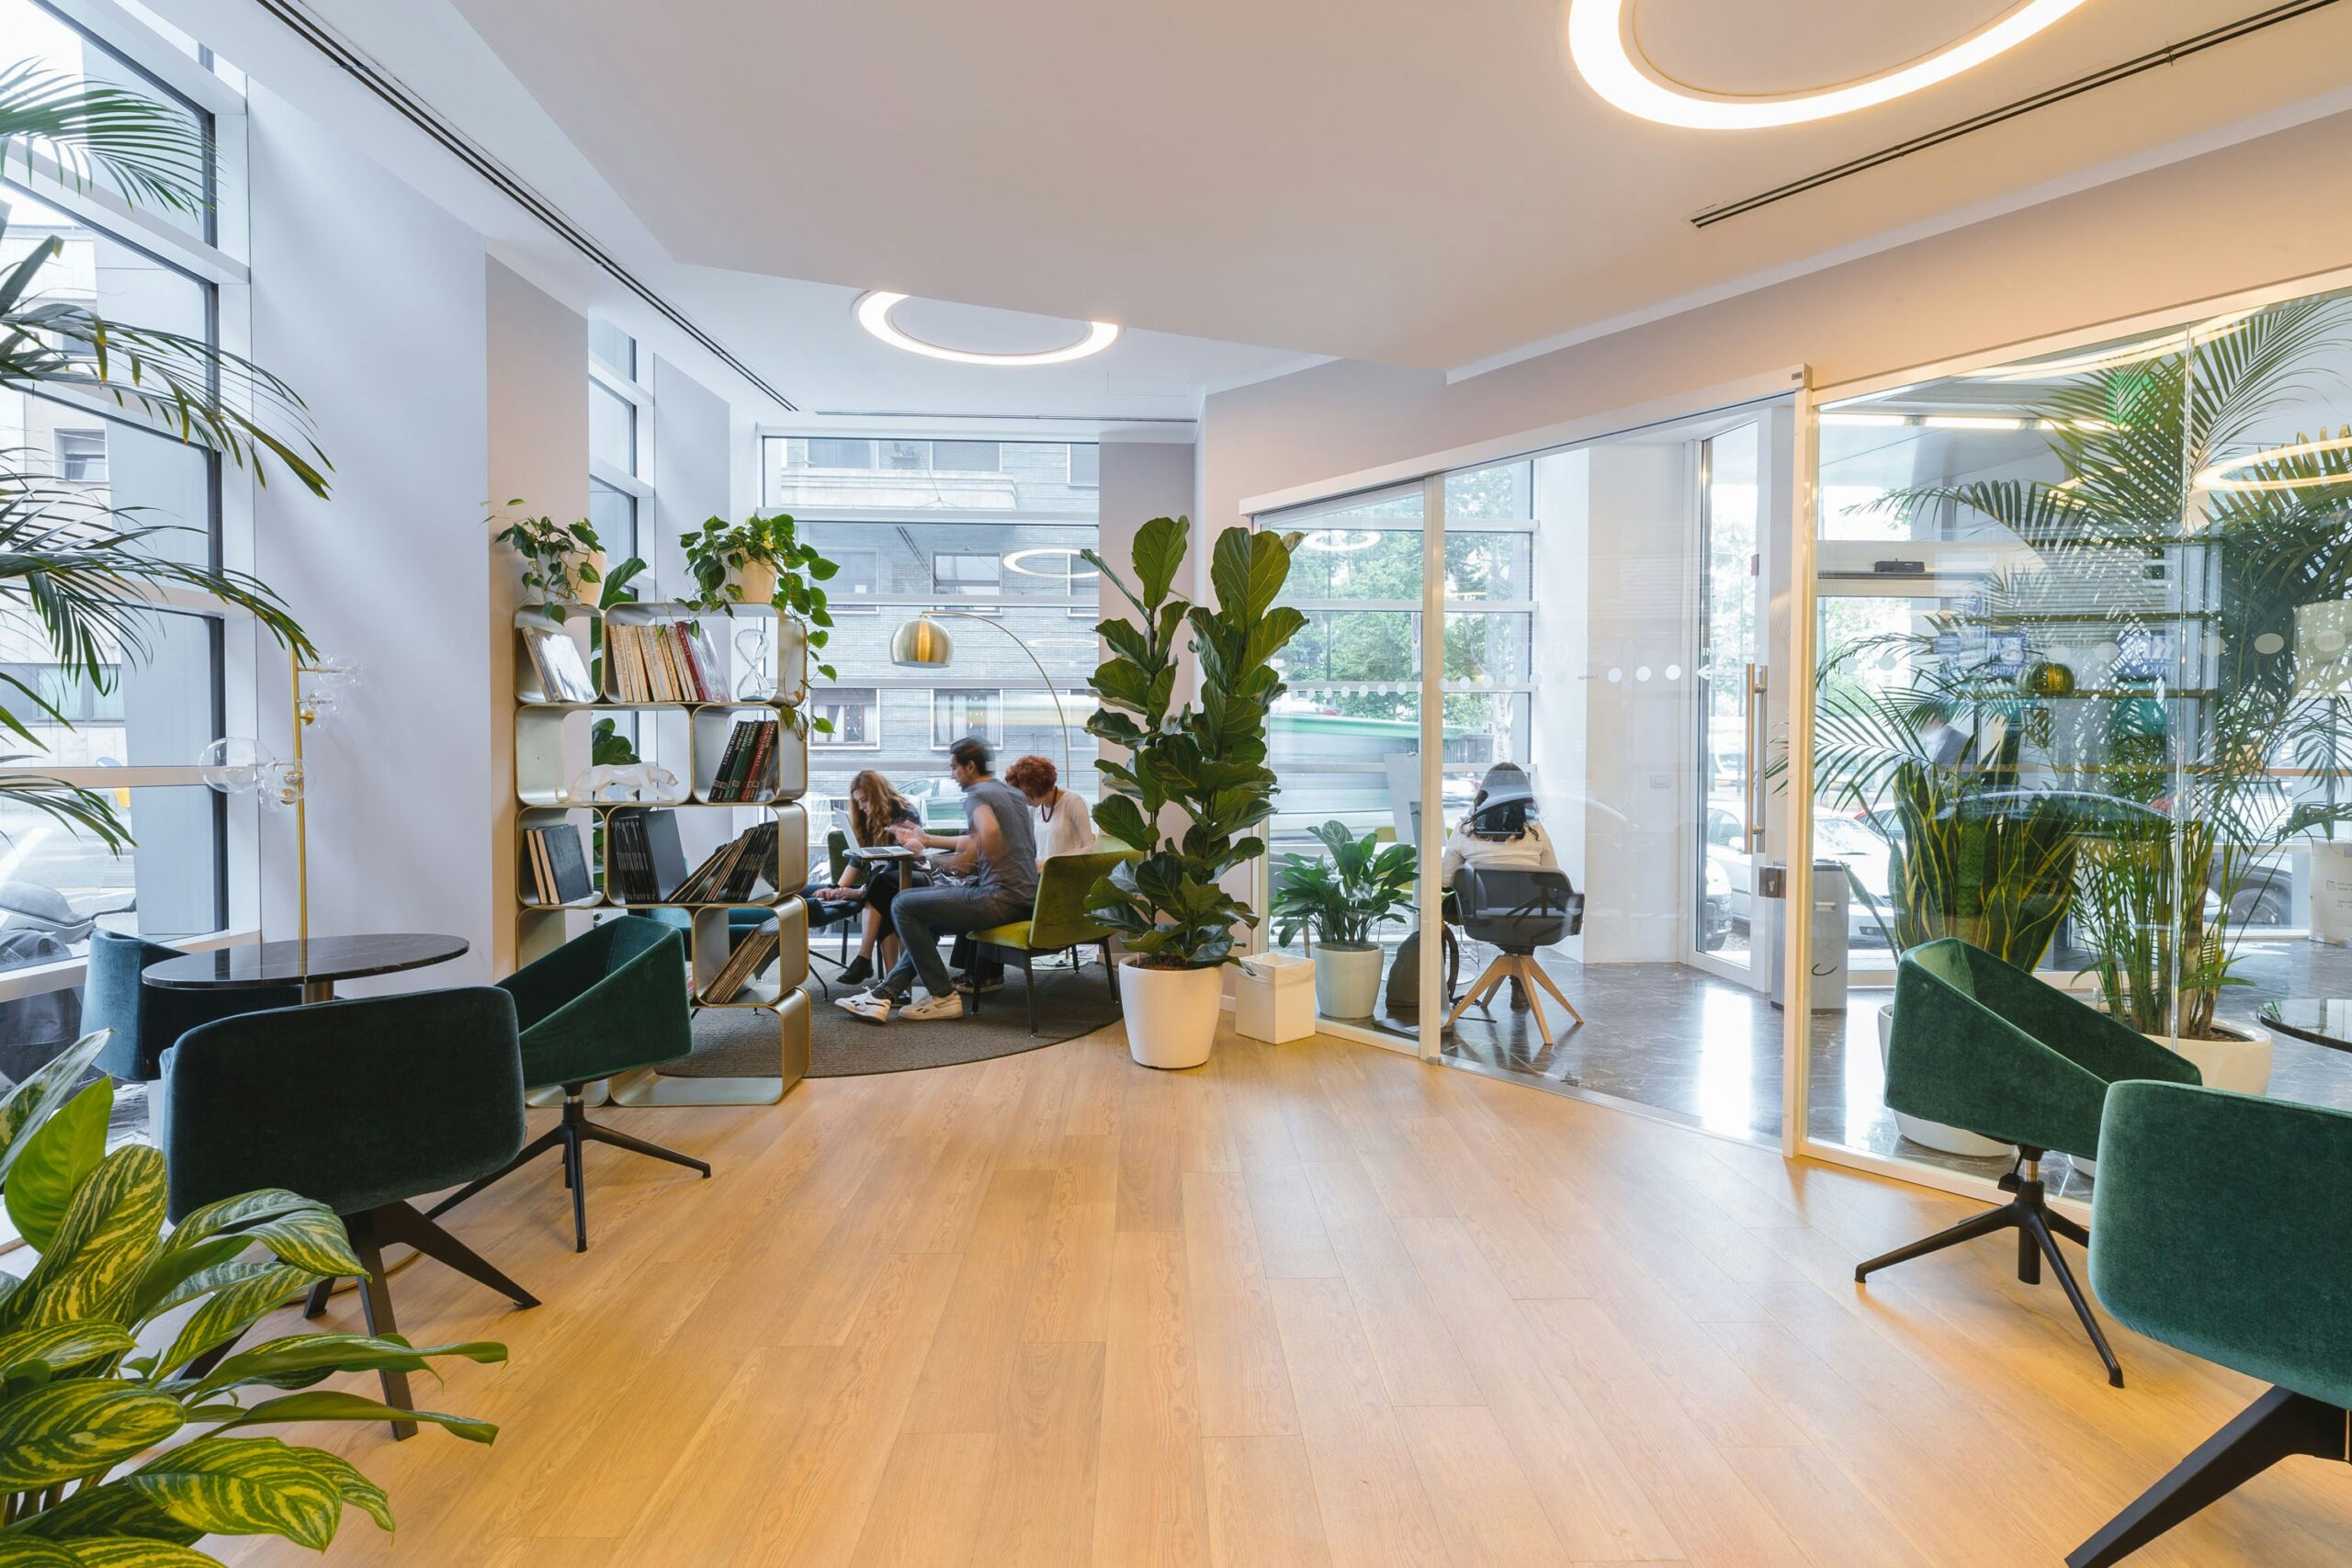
1207, 763
122, 1338
558, 559
717, 552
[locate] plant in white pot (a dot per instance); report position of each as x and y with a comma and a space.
1340, 899
1204, 764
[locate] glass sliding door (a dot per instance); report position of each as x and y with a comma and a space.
2081, 631
1346, 744
1730, 673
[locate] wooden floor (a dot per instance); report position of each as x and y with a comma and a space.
1312, 1304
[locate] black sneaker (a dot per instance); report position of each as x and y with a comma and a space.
968, 986
857, 969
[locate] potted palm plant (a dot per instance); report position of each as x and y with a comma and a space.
1193, 786
2178, 573
89, 574
1340, 899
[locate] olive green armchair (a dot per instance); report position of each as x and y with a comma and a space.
2218, 1228
1058, 921
1981, 1044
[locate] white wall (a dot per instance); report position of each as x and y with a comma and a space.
2236, 218
371, 301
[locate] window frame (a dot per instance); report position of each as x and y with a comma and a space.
992, 736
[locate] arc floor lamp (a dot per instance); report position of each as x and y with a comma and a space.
924, 644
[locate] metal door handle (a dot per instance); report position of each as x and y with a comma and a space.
1751, 793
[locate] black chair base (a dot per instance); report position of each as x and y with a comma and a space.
399, 1224
1023, 956
2280, 1425
573, 1135
2038, 1227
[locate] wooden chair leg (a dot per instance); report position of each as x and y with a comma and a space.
1521, 967
1495, 976
1550, 985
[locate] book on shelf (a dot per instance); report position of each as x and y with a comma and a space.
746, 766
753, 952
734, 871
559, 865
564, 674
707, 664
648, 864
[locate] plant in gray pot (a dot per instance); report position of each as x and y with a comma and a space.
1340, 899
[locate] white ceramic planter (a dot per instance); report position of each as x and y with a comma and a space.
1932, 1134
1347, 979
1170, 1013
2241, 1066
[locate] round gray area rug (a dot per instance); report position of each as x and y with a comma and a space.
734, 1043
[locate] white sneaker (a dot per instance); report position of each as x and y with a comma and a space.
948, 1006
872, 1006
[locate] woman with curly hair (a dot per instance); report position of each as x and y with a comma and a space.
875, 807
1063, 824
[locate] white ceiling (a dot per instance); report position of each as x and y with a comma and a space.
1422, 183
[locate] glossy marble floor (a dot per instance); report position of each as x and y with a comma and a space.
1673, 1040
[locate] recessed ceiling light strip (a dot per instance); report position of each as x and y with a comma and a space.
2169, 54
421, 114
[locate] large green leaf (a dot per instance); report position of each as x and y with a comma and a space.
78, 1428
133, 1551
244, 1486
328, 1404
39, 1098
29, 1552
55, 1158
1159, 554
102, 1246
300, 1360
244, 1293
60, 1347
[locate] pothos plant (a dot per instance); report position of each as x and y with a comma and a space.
1207, 762
719, 552
558, 559
122, 1338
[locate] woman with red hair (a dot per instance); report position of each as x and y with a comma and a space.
1064, 826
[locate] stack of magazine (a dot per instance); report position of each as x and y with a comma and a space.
564, 674
664, 661
753, 953
644, 862
733, 873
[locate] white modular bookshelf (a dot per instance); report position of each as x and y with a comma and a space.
764, 662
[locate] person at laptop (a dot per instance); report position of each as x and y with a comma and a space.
1500, 832
876, 808
996, 851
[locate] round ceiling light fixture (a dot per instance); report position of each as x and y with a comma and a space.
1072, 566
1339, 541
2225, 474
872, 310
1609, 58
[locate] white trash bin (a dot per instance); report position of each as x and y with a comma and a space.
1273, 1000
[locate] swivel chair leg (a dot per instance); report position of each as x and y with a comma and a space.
2280, 1425
2035, 1226
570, 1135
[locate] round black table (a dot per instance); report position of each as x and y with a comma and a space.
2323, 1020
315, 965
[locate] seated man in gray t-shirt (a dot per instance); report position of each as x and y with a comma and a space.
999, 851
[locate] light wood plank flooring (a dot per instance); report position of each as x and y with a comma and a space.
1312, 1305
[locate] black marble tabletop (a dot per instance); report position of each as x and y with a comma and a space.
2323, 1020
322, 958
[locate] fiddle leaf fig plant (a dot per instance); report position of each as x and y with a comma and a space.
1341, 898
559, 560
1206, 765
122, 1338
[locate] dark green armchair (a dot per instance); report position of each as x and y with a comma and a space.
1981, 1044
609, 1001
1058, 921
147, 1019
361, 1105
2219, 1229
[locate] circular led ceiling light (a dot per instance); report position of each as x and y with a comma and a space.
2224, 474
1072, 567
873, 308
1611, 61
1339, 541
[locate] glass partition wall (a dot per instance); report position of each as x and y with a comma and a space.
2081, 624
1576, 755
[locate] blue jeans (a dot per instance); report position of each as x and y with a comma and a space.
923, 915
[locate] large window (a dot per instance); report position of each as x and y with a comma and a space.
136, 734
987, 535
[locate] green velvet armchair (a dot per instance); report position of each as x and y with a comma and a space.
609, 1001
147, 1021
2218, 1227
362, 1105
1058, 921
1981, 1044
